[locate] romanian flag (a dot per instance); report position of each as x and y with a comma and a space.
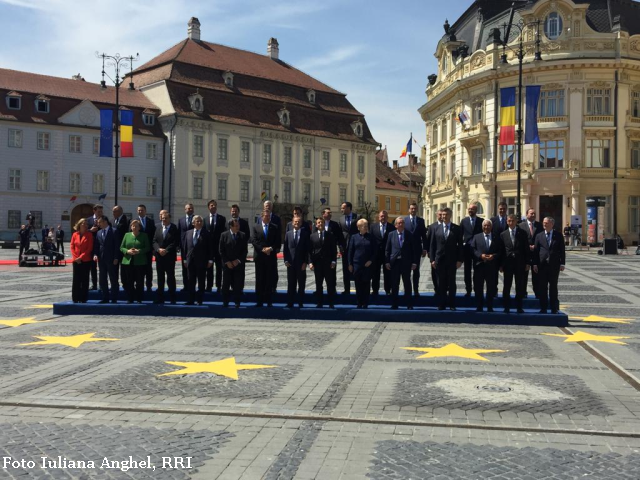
407, 148
508, 116
126, 133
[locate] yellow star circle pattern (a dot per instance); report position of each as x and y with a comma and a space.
598, 318
21, 321
72, 341
224, 368
587, 337
453, 350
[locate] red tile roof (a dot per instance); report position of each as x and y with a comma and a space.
387, 178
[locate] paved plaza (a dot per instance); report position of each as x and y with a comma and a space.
216, 398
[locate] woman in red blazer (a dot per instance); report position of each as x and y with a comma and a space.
82, 254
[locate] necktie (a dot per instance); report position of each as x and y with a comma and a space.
400, 239
295, 238
382, 229
266, 229
164, 231
446, 231
144, 223
348, 221
233, 235
195, 238
531, 228
501, 222
189, 218
549, 238
413, 223
473, 223
321, 237
488, 240
513, 236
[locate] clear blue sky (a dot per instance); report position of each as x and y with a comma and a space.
378, 52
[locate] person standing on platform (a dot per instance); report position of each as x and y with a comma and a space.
486, 250
24, 240
416, 226
148, 226
106, 252
215, 224
362, 252
500, 220
532, 229
296, 259
516, 257
402, 255
166, 242
120, 221
266, 243
82, 255
233, 252
447, 256
333, 227
349, 227
323, 256
60, 239
185, 224
276, 221
92, 224
134, 247
380, 231
471, 226
430, 232
197, 257
548, 262
244, 225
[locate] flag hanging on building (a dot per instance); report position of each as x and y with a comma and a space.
263, 196
508, 116
531, 126
102, 197
463, 118
106, 133
407, 148
73, 199
126, 133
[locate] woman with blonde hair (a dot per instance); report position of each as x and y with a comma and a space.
82, 254
134, 247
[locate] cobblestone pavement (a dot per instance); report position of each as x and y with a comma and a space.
255, 398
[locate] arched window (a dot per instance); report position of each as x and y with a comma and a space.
553, 26
478, 204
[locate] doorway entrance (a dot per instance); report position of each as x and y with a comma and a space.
552, 207
80, 211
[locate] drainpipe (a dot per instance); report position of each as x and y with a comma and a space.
615, 157
175, 122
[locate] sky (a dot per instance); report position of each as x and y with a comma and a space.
377, 52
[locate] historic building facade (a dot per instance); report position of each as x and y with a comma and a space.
589, 113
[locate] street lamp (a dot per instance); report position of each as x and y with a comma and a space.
117, 62
519, 51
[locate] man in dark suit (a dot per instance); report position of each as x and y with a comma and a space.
233, 253
516, 257
486, 250
197, 257
471, 226
244, 225
323, 256
148, 226
416, 226
60, 239
24, 240
215, 225
500, 220
548, 262
296, 258
380, 231
532, 229
348, 227
402, 255
333, 227
430, 232
44, 233
166, 242
266, 243
106, 253
297, 212
93, 226
276, 221
120, 221
184, 225
446, 257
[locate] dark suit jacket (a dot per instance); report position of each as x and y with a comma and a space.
520, 254
171, 243
215, 233
381, 240
183, 228
362, 249
107, 247
60, 235
306, 225
244, 227
479, 247
446, 252
335, 228
348, 231
296, 255
553, 255
497, 228
325, 252
411, 249
467, 231
420, 230
199, 254
231, 249
259, 241
537, 228
149, 229
121, 224
430, 231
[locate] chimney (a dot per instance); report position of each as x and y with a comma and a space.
193, 32
272, 49
395, 165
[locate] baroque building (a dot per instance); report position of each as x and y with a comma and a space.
588, 161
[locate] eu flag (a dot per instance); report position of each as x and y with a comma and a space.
106, 132
531, 126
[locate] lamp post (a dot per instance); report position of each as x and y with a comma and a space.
117, 63
519, 51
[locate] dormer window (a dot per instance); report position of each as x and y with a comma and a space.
285, 116
228, 79
14, 101
148, 119
358, 128
196, 102
42, 104
311, 96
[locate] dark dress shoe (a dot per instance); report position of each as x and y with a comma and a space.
554, 311
318, 305
416, 294
467, 295
506, 310
410, 307
140, 302
270, 305
289, 305
452, 309
346, 292
207, 290
237, 305
259, 304
331, 306
189, 303
479, 309
394, 307
520, 310
441, 308
490, 309
173, 302
103, 301
225, 304
114, 301
158, 302
301, 305
199, 304
542, 311
129, 301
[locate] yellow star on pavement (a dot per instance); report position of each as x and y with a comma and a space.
598, 318
453, 350
21, 321
225, 368
72, 341
39, 306
587, 337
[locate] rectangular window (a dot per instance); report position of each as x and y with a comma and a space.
397, 204
387, 203
223, 149
286, 187
96, 145
198, 145
511, 205
552, 154
42, 106
551, 103
127, 185
477, 155
343, 162
635, 104
326, 193
14, 219
44, 140
307, 158
75, 144
244, 190
266, 154
599, 101
197, 187
74, 182
266, 188
360, 199
434, 135
245, 152
148, 119
509, 157
634, 214
477, 113
152, 150
98, 183
452, 166
15, 138
43, 181
635, 154
434, 169
222, 189
15, 176
361, 164
376, 199
443, 170
443, 130
453, 125
14, 103
287, 157
306, 192
152, 186
598, 153
343, 194
326, 161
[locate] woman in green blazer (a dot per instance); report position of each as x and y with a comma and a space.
135, 246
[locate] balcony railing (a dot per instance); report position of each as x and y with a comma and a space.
598, 118
558, 119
